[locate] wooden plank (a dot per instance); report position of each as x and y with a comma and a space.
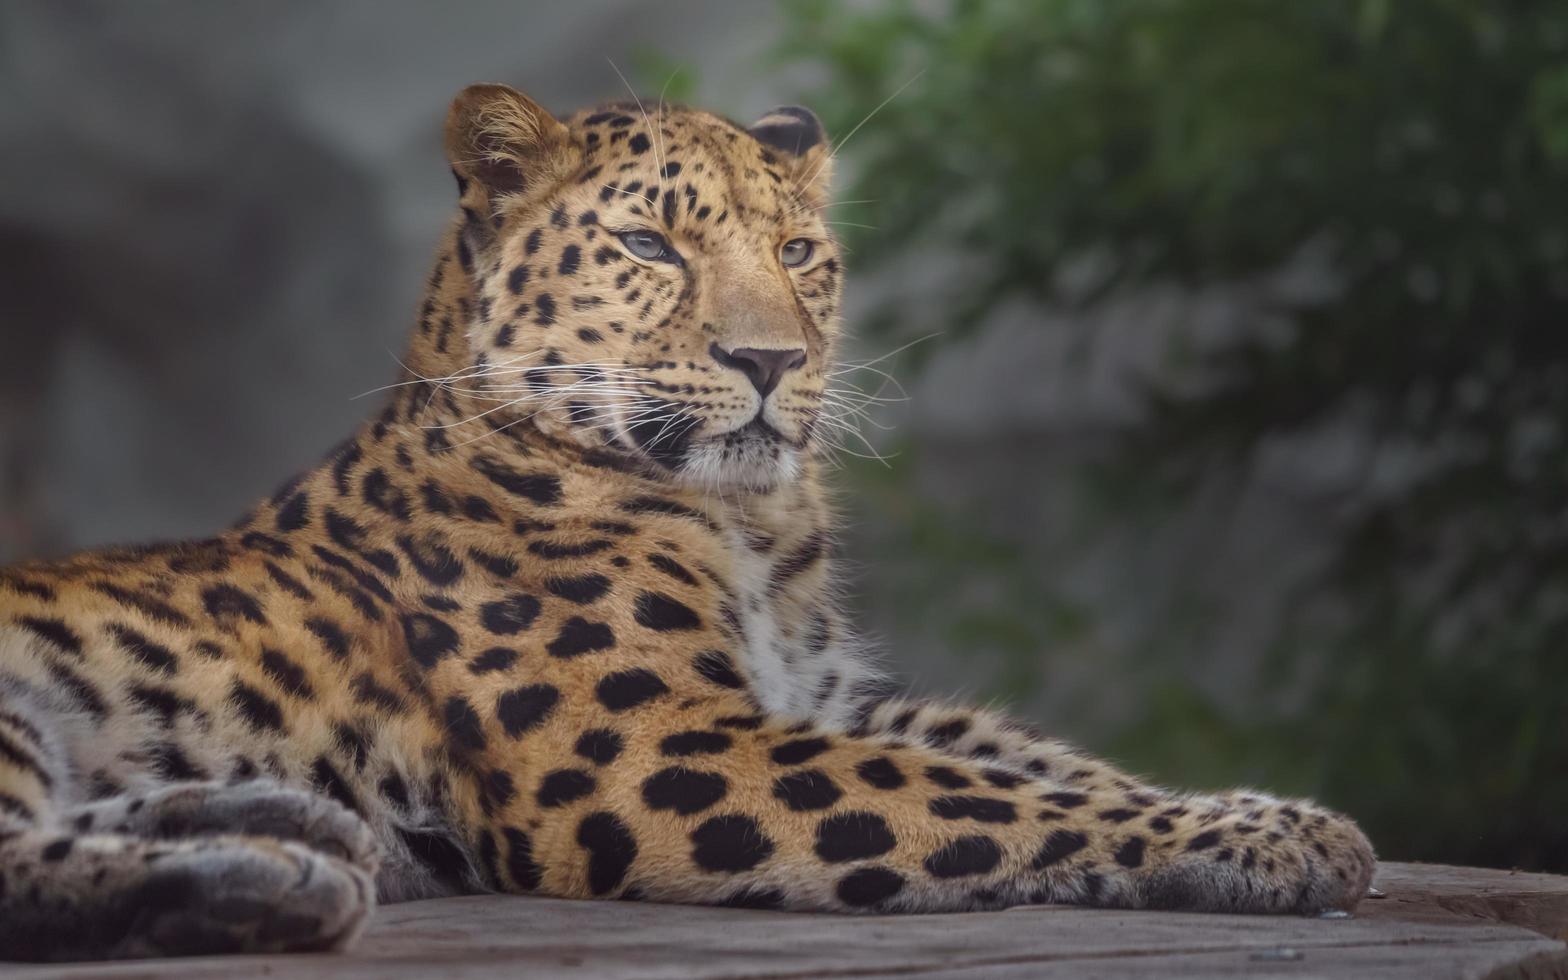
1482, 961
1436, 922
1435, 892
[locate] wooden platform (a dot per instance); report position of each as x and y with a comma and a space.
1436, 922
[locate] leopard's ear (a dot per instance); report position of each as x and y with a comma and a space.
506, 141
796, 134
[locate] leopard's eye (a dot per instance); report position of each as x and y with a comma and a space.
796, 252
649, 245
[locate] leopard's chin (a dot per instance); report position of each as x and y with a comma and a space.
754, 457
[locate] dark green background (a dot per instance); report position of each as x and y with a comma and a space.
1410, 162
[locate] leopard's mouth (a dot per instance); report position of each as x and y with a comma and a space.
681, 444
757, 436
757, 430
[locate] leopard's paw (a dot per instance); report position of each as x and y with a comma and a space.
259, 808
232, 895
1273, 856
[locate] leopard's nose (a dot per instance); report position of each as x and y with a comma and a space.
765, 368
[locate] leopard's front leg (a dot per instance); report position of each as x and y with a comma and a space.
992, 739
987, 737
699, 800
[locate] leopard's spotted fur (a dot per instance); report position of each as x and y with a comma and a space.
560, 620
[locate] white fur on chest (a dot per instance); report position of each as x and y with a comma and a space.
764, 654
789, 680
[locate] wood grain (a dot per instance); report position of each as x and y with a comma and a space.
1436, 922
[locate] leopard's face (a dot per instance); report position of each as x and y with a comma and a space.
671, 297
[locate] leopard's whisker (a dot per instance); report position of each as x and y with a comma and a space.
616, 415
419, 379
652, 132
659, 135
677, 414
832, 154
860, 365
858, 397
857, 418
552, 395
873, 452
638, 194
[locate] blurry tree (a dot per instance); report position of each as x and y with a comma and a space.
1413, 158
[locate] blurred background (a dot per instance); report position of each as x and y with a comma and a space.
1231, 336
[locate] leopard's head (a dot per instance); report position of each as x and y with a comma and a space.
653, 281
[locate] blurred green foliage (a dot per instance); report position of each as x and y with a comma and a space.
1412, 157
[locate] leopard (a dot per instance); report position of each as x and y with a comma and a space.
564, 617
